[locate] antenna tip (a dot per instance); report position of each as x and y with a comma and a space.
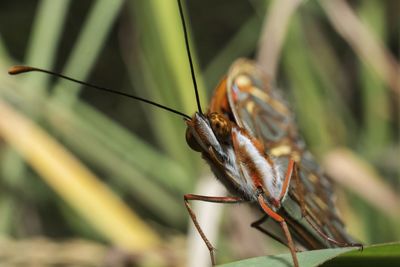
14, 70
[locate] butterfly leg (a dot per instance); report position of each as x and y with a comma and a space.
288, 176
338, 243
190, 197
284, 226
257, 225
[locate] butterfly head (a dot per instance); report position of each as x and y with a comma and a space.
208, 133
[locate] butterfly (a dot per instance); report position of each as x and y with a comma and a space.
249, 138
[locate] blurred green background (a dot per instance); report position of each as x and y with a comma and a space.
346, 101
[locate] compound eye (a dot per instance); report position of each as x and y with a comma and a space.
191, 140
220, 126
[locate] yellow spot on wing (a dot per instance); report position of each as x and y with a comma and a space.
243, 82
281, 150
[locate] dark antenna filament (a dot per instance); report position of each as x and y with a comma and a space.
22, 69
196, 91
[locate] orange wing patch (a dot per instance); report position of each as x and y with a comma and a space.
219, 101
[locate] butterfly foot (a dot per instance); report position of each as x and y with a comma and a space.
212, 255
359, 245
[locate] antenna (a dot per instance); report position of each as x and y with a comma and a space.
22, 69
196, 91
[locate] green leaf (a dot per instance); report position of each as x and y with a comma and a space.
376, 255
384, 255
